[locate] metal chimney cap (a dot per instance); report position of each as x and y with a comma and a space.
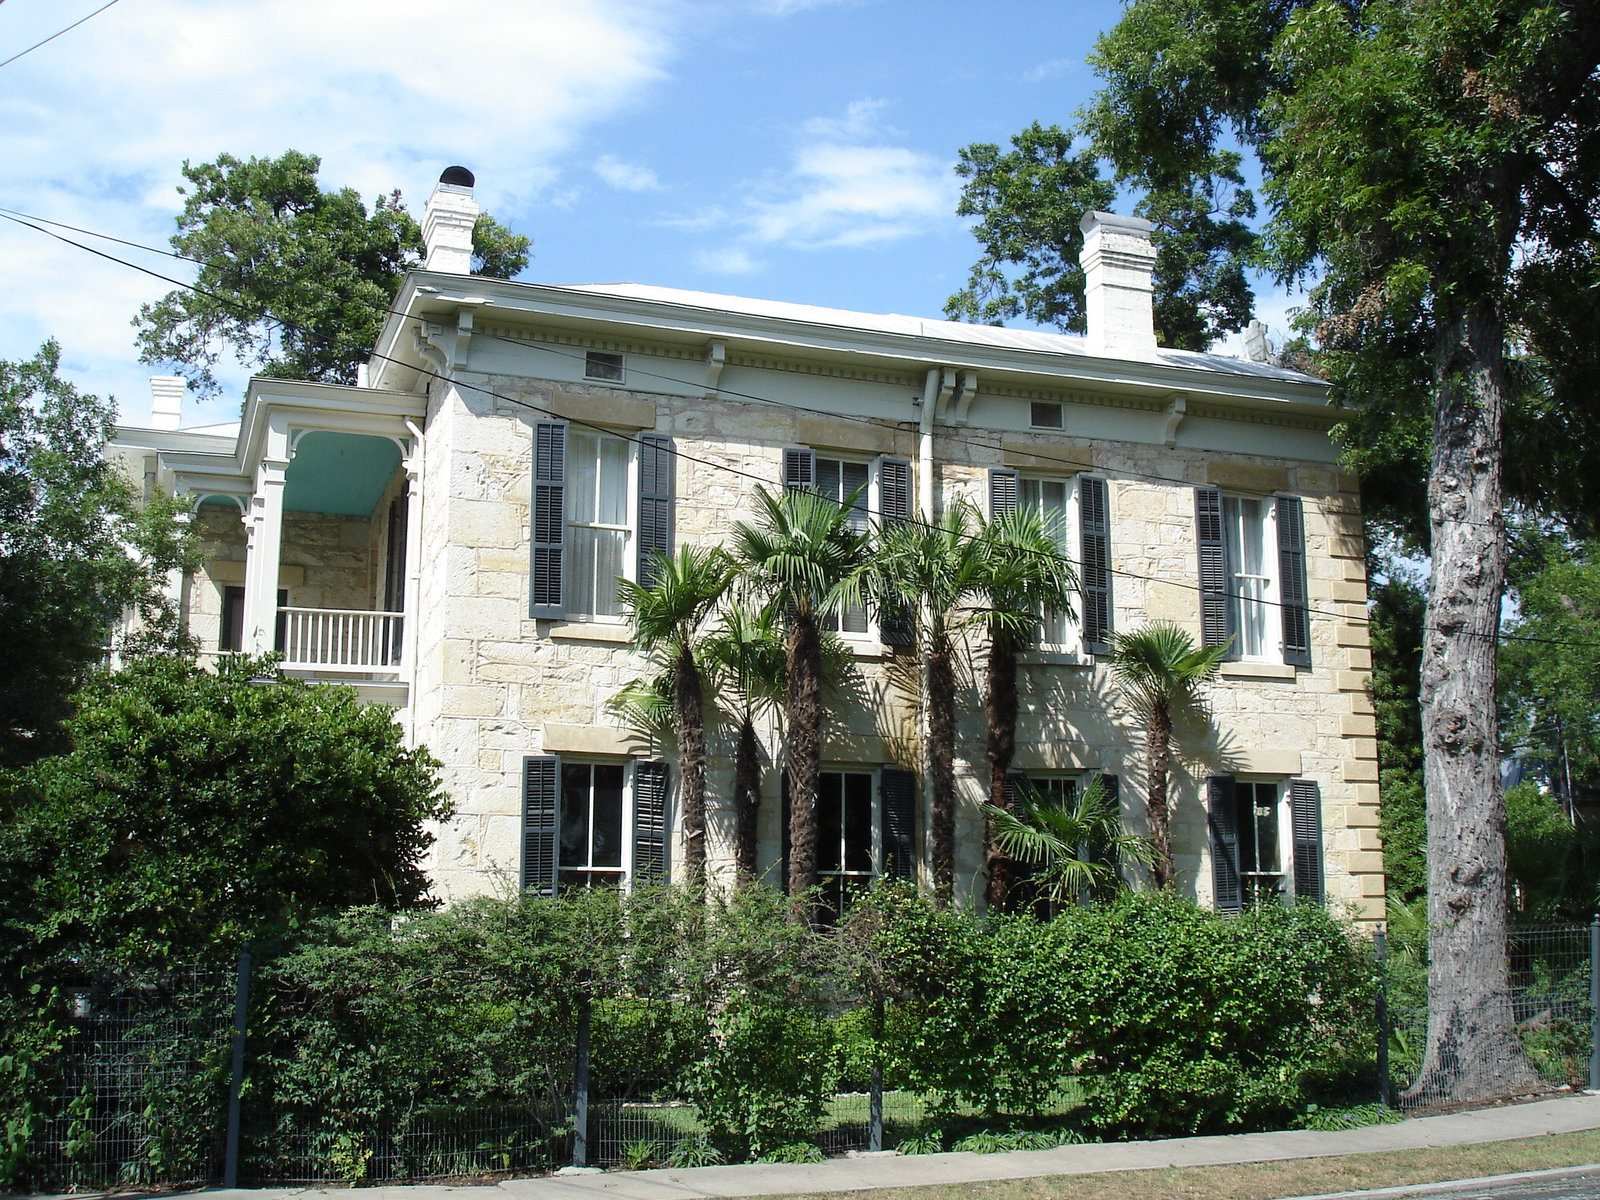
457, 177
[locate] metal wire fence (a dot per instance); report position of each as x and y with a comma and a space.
138, 1094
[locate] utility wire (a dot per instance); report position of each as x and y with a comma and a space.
7, 62
41, 225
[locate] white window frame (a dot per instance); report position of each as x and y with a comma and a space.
874, 777
1249, 880
624, 870
630, 530
1271, 648
872, 503
1072, 535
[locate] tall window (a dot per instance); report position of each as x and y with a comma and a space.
591, 824
1049, 497
838, 480
1260, 858
1244, 524
845, 853
597, 522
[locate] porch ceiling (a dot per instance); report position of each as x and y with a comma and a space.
341, 474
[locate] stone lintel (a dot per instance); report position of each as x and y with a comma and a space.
1060, 457
1247, 477
606, 740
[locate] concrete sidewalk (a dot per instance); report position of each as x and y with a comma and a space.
1566, 1115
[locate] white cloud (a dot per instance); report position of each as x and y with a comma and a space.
1053, 69
94, 126
727, 260
626, 177
860, 122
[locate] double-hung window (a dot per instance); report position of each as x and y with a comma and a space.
601, 511
1058, 791
880, 485
592, 823
1252, 556
1075, 513
1264, 834
866, 828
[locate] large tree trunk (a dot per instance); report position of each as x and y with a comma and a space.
1473, 1052
804, 756
1158, 762
746, 800
941, 768
1000, 711
691, 730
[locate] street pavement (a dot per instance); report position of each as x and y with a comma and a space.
1565, 1115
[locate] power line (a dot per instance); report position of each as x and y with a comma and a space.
39, 225
7, 62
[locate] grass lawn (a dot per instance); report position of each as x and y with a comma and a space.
1264, 1181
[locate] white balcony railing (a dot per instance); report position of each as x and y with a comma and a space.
339, 639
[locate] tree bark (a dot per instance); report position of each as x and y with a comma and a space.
1473, 1052
1158, 762
746, 800
689, 711
804, 757
941, 768
1000, 711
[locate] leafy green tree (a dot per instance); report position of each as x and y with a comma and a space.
76, 550
803, 554
937, 572
1030, 201
1078, 845
294, 280
1425, 164
1025, 575
198, 810
1395, 611
1161, 672
669, 618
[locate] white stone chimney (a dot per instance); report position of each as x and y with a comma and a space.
447, 223
1119, 299
166, 401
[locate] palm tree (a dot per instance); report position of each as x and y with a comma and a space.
937, 571
1026, 575
1077, 843
746, 654
1161, 671
802, 553
668, 619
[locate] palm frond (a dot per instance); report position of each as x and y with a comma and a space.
1076, 844
1159, 663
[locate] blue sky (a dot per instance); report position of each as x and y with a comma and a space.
795, 150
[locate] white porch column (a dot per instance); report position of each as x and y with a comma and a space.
264, 528
413, 590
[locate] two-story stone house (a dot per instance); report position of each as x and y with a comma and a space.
446, 536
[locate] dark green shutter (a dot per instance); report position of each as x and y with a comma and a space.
548, 520
1003, 489
1292, 581
894, 508
1222, 814
1213, 566
1094, 529
799, 469
897, 799
1014, 787
541, 806
656, 461
1305, 819
650, 822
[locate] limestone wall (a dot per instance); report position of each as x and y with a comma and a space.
493, 686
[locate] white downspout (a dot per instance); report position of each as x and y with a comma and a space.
935, 391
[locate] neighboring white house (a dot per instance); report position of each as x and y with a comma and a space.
447, 534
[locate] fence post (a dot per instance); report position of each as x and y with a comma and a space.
241, 1011
1594, 1005
875, 1096
580, 1090
1380, 947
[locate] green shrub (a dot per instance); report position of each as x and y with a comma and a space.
764, 1082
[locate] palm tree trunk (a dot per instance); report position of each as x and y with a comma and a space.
746, 799
804, 757
941, 767
1000, 710
691, 730
1158, 757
